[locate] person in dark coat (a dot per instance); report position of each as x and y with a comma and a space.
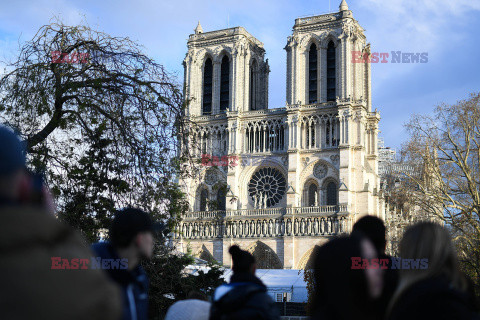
344, 291
439, 291
40, 274
131, 236
374, 229
245, 297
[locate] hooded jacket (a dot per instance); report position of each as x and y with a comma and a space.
245, 297
31, 287
134, 283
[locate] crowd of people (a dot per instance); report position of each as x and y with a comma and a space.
432, 289
353, 277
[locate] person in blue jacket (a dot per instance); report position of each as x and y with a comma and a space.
245, 297
131, 239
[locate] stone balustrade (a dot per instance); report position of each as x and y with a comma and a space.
272, 222
277, 212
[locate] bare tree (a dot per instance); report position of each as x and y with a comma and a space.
444, 146
99, 117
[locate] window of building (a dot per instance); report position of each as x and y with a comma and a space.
207, 87
310, 135
312, 195
312, 74
253, 85
330, 134
203, 199
225, 84
221, 199
267, 187
280, 296
331, 194
331, 72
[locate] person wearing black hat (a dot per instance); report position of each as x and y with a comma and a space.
13, 174
131, 239
17, 184
245, 297
31, 238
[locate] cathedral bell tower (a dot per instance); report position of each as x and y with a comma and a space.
320, 67
324, 77
225, 70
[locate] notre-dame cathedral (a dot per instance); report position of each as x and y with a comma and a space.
278, 181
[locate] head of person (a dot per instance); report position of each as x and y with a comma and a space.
243, 261
334, 277
12, 165
430, 241
133, 228
374, 229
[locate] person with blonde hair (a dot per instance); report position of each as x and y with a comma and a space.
437, 290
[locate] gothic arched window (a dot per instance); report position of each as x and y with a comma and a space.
331, 72
253, 85
312, 195
203, 199
312, 74
225, 84
331, 134
207, 87
221, 199
331, 194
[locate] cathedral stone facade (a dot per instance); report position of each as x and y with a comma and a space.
279, 181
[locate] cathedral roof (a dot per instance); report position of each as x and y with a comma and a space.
223, 35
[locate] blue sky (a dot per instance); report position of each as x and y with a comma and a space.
446, 29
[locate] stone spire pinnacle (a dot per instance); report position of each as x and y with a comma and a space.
343, 6
199, 29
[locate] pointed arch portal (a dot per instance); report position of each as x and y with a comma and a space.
206, 255
265, 257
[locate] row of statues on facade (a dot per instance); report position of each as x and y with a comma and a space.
272, 227
260, 200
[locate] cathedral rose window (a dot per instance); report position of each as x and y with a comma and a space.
211, 177
320, 170
267, 187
